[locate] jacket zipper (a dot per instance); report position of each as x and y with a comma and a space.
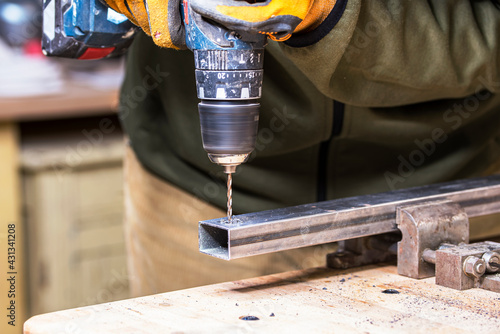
338, 120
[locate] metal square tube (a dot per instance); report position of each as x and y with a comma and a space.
341, 219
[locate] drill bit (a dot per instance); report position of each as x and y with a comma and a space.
230, 198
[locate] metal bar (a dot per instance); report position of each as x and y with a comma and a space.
341, 219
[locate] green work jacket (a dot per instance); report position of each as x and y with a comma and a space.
383, 95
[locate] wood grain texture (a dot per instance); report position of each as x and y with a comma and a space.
310, 301
74, 218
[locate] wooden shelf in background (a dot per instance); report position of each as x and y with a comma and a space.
75, 101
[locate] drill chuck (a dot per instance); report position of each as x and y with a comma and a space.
229, 73
229, 84
229, 130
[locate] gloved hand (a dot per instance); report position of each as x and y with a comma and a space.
276, 18
161, 19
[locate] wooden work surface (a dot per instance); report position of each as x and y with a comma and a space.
310, 301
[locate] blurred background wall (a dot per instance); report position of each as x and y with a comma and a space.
61, 150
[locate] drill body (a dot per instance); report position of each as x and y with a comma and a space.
229, 72
229, 69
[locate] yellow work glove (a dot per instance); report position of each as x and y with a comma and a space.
276, 18
161, 19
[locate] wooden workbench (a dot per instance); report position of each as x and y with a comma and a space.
310, 301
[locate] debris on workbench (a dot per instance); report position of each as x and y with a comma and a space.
271, 315
390, 291
249, 318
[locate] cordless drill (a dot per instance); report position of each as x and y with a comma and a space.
229, 70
